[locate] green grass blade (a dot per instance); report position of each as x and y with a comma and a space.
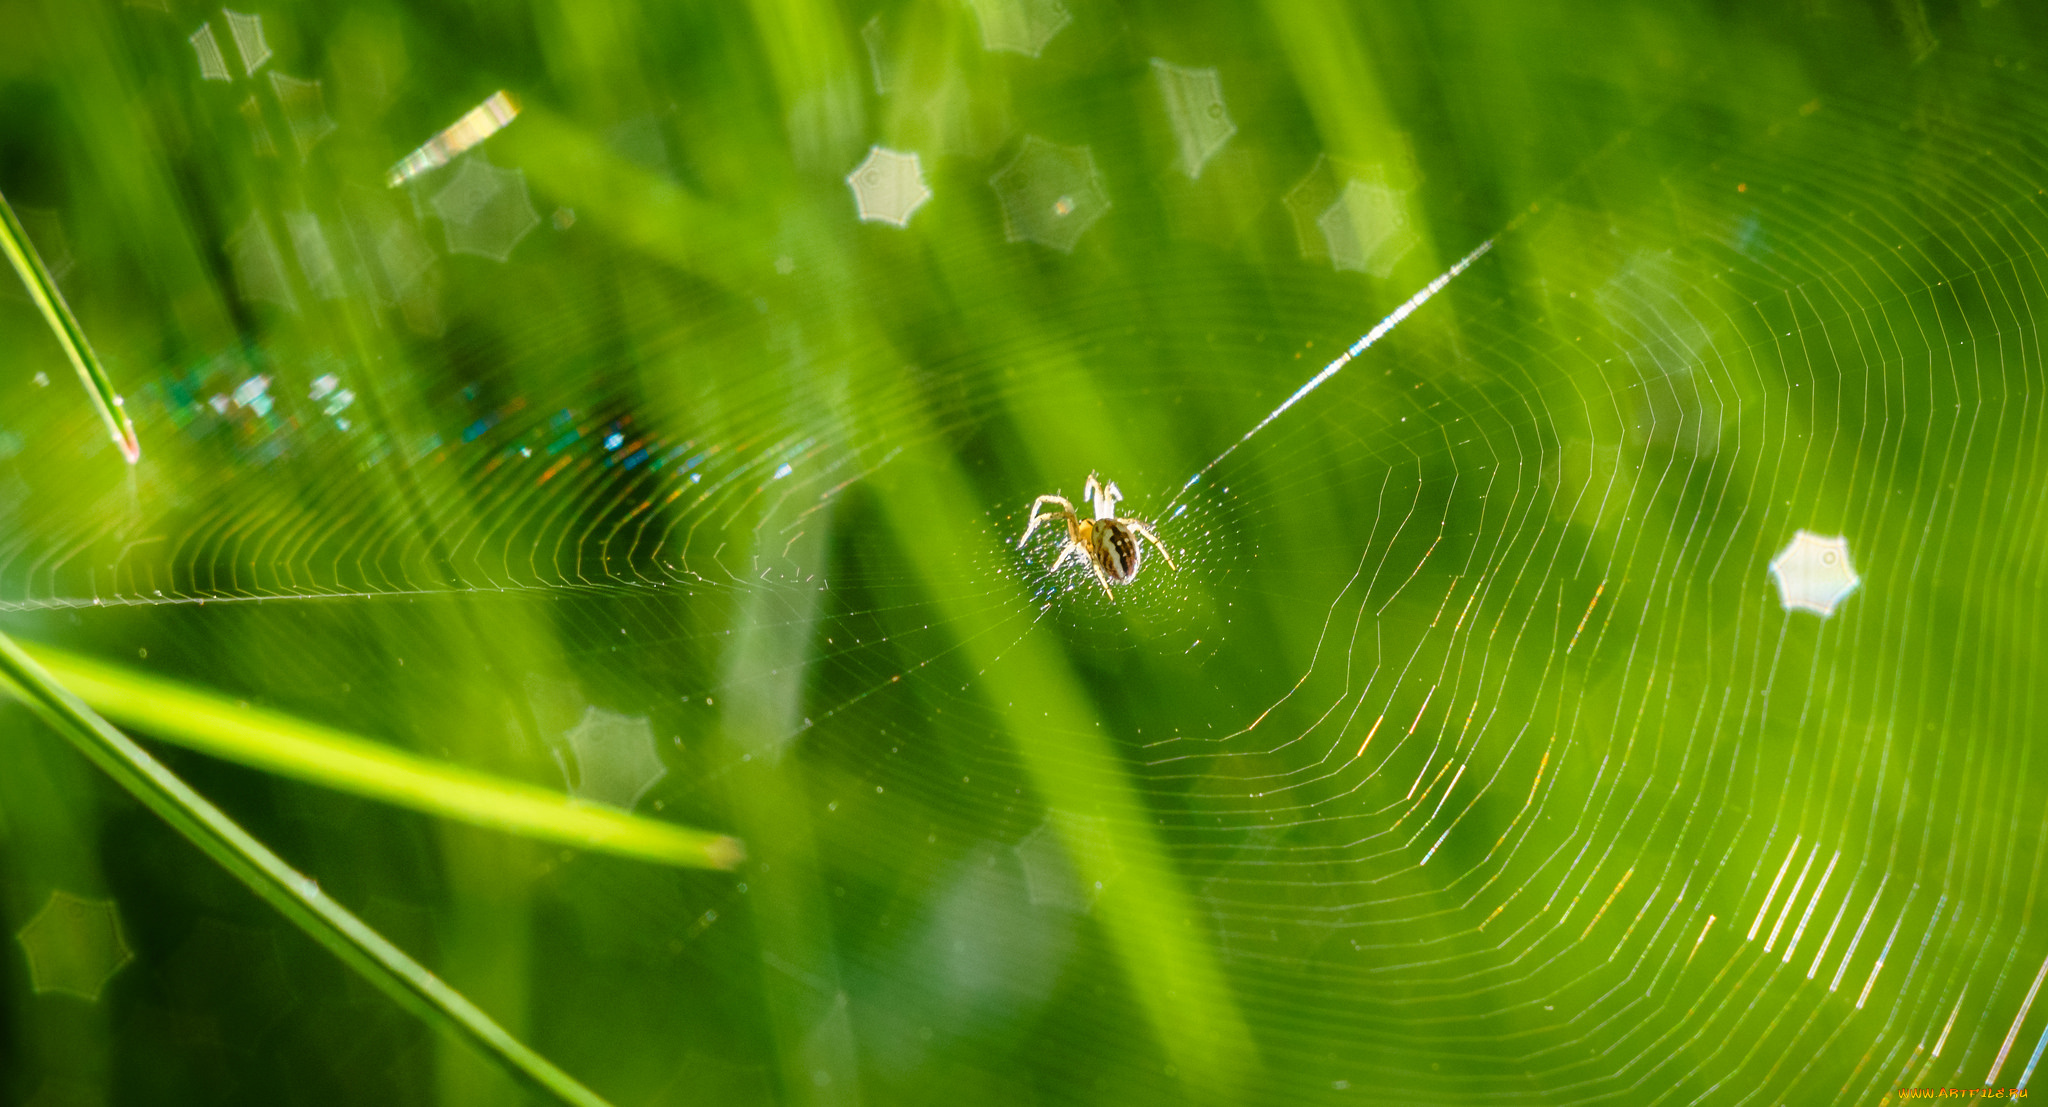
283, 887
43, 289
278, 743
1175, 974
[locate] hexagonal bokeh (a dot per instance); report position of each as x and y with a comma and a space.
615, 758
485, 210
213, 66
74, 945
1366, 229
249, 40
1051, 878
1309, 199
259, 265
888, 187
1814, 574
1050, 193
305, 110
1194, 104
1020, 26
316, 257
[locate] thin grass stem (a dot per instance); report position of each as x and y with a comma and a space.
297, 896
43, 289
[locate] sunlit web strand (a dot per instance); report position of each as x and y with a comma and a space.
1379, 331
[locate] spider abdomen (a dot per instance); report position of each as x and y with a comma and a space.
1116, 550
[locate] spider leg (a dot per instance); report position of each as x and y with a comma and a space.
1102, 496
1146, 530
1071, 549
1100, 578
1067, 513
1048, 516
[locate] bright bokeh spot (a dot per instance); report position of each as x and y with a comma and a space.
212, 65
74, 946
888, 187
249, 41
1813, 573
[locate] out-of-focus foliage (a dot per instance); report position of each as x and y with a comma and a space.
666, 444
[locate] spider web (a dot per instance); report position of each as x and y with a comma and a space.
1472, 729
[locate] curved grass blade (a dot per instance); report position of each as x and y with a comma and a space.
43, 289
283, 887
278, 743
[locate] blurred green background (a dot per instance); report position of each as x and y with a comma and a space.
667, 449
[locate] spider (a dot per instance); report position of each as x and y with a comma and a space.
1108, 544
